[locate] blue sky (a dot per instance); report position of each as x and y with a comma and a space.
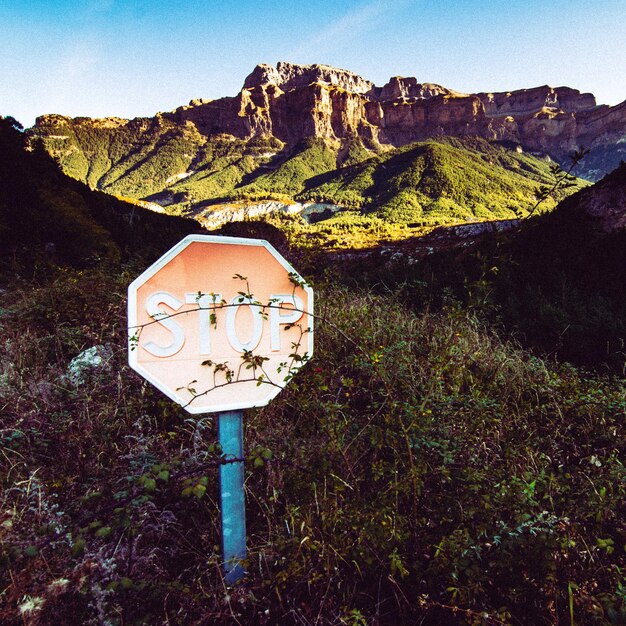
131, 58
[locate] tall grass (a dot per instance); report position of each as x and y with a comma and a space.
421, 469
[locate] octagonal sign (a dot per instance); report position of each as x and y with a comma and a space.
220, 323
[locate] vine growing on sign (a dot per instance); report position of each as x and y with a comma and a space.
282, 312
220, 324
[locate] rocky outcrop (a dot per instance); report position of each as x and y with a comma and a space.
400, 87
528, 101
216, 215
289, 76
604, 202
292, 102
405, 120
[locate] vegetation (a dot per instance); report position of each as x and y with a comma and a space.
347, 229
310, 158
134, 158
556, 283
442, 181
423, 468
437, 182
46, 216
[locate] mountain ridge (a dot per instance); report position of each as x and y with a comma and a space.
291, 102
229, 148
47, 217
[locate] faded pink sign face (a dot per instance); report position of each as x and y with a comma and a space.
220, 323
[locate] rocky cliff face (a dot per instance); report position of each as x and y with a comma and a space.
289, 76
292, 102
604, 203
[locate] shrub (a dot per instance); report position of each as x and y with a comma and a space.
420, 468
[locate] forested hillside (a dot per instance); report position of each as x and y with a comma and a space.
441, 181
44, 213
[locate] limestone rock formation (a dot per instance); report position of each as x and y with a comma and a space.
605, 202
292, 76
292, 102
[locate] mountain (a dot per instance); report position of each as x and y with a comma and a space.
576, 310
602, 206
555, 281
47, 216
292, 124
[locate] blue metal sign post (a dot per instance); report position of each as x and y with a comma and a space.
230, 437
200, 276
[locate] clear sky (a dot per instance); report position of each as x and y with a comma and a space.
131, 58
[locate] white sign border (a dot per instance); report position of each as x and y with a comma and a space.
133, 351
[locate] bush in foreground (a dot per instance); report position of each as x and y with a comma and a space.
420, 468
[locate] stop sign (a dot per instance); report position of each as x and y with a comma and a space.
220, 323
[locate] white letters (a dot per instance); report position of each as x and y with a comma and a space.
204, 302
231, 331
160, 316
276, 318
284, 310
